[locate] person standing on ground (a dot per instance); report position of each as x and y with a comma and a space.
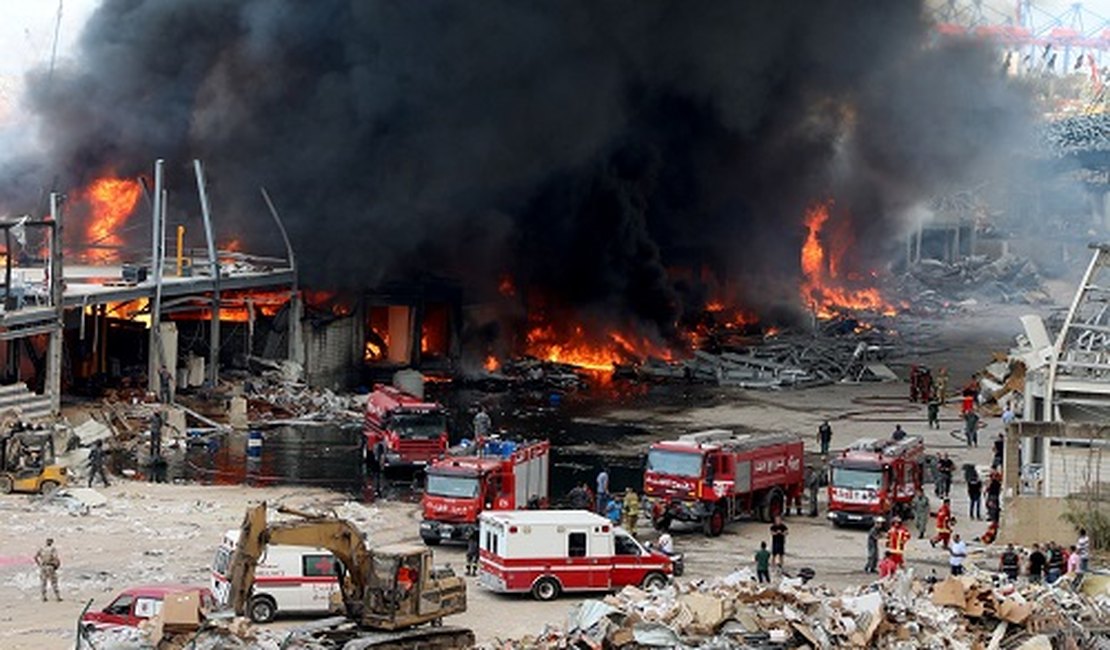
613, 511
1073, 562
472, 553
945, 468
942, 385
630, 510
813, 485
999, 448
579, 498
974, 495
824, 437
1055, 564
778, 541
971, 428
96, 463
602, 490
957, 552
1036, 565
156, 435
666, 544
763, 563
483, 425
1083, 549
49, 563
994, 497
934, 413
1010, 563
944, 525
1008, 415
896, 539
920, 507
873, 537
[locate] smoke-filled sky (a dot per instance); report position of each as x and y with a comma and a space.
596, 151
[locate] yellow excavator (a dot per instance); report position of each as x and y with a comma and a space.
387, 592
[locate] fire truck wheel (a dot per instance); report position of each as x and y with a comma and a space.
715, 524
774, 504
431, 541
546, 589
654, 581
262, 609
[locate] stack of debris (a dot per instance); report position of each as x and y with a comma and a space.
277, 395
788, 359
938, 286
736, 612
1076, 134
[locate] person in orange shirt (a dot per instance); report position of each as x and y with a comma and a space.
896, 541
944, 525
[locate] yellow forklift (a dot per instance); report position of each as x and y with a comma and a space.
27, 463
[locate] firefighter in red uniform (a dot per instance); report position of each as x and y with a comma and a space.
944, 525
896, 540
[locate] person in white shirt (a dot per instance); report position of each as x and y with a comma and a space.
666, 544
1083, 549
957, 551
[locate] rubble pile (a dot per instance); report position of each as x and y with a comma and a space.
1077, 134
900, 613
938, 285
277, 395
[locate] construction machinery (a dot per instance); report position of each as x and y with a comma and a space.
387, 592
27, 463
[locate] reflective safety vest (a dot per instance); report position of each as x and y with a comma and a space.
896, 540
1010, 562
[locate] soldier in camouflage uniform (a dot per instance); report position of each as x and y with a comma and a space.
48, 561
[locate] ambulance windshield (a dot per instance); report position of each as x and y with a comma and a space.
856, 478
459, 487
674, 463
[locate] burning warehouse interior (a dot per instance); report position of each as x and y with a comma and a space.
393, 262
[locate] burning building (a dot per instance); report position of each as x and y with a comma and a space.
628, 167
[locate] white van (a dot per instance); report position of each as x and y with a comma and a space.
287, 579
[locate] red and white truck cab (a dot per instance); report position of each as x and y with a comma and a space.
547, 552
402, 430
492, 474
875, 479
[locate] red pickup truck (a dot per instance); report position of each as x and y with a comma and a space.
136, 604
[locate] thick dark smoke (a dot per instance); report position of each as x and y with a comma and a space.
611, 156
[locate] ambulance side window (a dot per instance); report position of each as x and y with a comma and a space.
491, 542
576, 545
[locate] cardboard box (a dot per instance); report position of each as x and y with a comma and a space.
181, 610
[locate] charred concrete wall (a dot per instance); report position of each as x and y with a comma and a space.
333, 352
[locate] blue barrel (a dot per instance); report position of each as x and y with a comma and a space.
254, 444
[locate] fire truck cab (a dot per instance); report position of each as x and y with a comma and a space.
402, 430
875, 479
547, 552
716, 476
490, 475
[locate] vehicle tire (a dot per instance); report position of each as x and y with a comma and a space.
774, 503
715, 523
6, 485
653, 581
431, 541
48, 487
546, 589
262, 609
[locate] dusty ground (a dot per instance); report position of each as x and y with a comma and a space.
150, 533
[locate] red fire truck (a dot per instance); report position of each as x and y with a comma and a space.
490, 475
874, 479
402, 430
716, 476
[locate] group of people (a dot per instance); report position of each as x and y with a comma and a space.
764, 559
623, 511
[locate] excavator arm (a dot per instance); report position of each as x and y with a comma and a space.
342, 539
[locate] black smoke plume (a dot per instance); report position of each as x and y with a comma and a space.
610, 155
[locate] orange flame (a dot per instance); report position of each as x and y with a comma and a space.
491, 364
545, 343
822, 288
112, 201
506, 287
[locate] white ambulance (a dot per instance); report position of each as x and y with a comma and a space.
287, 579
547, 552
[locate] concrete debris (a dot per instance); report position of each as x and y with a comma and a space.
941, 286
973, 611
